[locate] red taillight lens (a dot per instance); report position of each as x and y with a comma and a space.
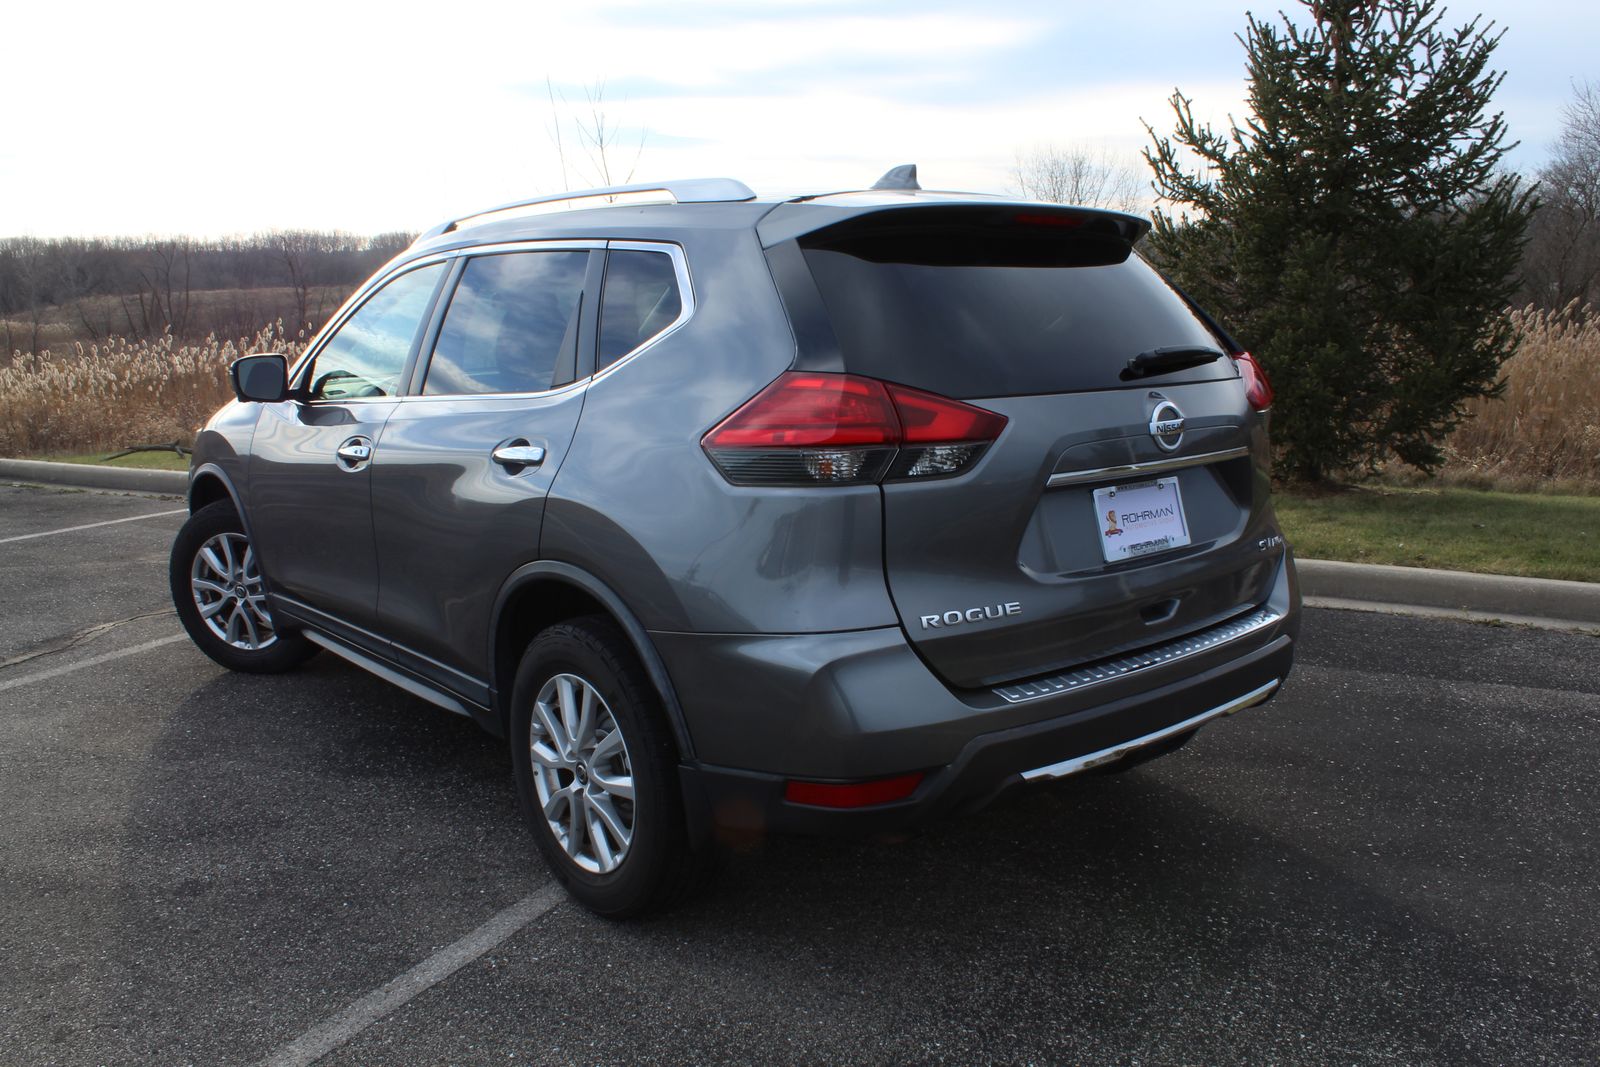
927, 418
811, 410
851, 794
1257, 389
845, 429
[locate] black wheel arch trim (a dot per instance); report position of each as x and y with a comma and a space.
212, 470
638, 637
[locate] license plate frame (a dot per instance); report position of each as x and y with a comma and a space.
1140, 519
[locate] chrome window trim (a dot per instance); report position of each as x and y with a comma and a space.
1116, 752
1135, 662
433, 398
680, 267
1154, 466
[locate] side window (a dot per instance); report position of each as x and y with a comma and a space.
512, 318
368, 353
641, 299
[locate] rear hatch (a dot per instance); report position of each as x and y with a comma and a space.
1043, 554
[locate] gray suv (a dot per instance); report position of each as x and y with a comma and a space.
830, 514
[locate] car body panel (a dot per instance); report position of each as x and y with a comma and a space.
311, 517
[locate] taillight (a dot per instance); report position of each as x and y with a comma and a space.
1257, 389
845, 429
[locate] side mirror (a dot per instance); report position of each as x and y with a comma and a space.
261, 378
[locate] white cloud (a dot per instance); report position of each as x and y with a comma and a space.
216, 118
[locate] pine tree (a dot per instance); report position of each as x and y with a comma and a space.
1355, 231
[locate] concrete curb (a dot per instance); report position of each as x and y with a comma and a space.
88, 476
1530, 601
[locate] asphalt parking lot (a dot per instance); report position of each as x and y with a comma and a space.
1394, 862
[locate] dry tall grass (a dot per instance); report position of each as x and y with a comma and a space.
106, 397
1544, 429
1546, 426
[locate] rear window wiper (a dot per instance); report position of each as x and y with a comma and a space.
1164, 360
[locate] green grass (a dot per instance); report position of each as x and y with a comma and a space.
1536, 536
160, 461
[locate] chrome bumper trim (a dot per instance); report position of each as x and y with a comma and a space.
1116, 752
1122, 666
1154, 466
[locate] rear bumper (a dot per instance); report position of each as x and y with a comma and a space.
990, 763
855, 706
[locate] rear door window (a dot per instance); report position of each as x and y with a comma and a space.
511, 326
980, 318
641, 300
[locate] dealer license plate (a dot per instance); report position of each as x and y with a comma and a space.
1140, 519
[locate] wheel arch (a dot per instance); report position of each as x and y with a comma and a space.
541, 594
207, 485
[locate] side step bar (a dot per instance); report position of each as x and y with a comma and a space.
411, 684
1116, 752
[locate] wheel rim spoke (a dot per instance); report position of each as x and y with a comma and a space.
568, 697
606, 812
598, 829
576, 823
210, 556
619, 786
546, 717
607, 746
585, 730
546, 756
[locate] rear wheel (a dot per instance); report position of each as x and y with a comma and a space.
219, 595
597, 771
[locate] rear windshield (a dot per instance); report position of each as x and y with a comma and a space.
975, 317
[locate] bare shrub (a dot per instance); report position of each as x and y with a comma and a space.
1546, 425
1070, 174
108, 396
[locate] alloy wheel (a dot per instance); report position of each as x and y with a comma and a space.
583, 773
228, 591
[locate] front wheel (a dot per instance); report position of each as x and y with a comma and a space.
219, 595
596, 770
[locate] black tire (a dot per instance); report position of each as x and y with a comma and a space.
284, 651
658, 867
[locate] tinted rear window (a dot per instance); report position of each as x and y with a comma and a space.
975, 317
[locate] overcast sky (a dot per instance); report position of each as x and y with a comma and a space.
218, 118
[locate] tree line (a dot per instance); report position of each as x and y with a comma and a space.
143, 286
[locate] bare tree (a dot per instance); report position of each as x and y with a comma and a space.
1562, 261
603, 141
1072, 174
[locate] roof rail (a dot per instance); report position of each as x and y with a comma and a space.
686, 191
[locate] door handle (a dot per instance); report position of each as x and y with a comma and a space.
354, 453
514, 456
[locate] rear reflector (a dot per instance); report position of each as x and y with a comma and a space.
1257, 389
851, 794
846, 429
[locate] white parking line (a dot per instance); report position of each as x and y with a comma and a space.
92, 525
337, 1029
78, 665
